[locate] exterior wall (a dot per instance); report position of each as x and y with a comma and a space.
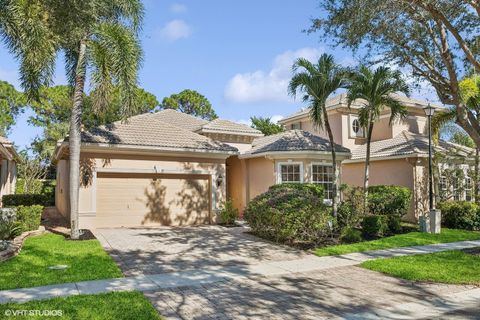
8, 177
388, 172
109, 163
335, 118
236, 182
382, 129
62, 197
260, 175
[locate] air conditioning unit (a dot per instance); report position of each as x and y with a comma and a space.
355, 129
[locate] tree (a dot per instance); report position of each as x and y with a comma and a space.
11, 104
317, 82
437, 40
190, 102
30, 171
266, 126
97, 36
375, 88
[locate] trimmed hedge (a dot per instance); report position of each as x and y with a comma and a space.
375, 226
290, 213
29, 217
460, 215
389, 200
15, 200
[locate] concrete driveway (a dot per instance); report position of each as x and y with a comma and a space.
168, 249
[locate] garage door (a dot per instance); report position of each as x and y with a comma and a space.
141, 200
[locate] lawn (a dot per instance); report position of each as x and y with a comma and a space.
115, 305
400, 240
86, 260
453, 266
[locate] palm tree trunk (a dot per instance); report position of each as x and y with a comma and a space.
334, 162
75, 138
367, 168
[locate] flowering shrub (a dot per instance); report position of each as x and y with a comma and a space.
290, 213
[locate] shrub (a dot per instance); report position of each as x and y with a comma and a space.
350, 210
228, 214
394, 224
290, 213
350, 235
15, 200
9, 230
460, 215
29, 217
389, 200
375, 226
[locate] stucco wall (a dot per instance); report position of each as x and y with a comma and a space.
261, 175
389, 172
61, 188
236, 182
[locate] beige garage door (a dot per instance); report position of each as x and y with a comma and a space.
141, 200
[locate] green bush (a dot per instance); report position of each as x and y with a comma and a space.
228, 214
29, 217
375, 226
350, 235
350, 210
290, 213
394, 224
15, 200
9, 230
389, 200
460, 215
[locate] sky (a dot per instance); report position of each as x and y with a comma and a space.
236, 53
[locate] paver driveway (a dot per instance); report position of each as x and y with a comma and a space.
164, 249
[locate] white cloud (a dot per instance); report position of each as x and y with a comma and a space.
277, 118
268, 86
178, 8
274, 119
175, 30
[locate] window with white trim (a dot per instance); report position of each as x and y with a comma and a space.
296, 126
323, 174
442, 185
468, 189
290, 172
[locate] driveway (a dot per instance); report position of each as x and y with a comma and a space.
168, 249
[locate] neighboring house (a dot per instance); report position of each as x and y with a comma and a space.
399, 152
8, 167
170, 168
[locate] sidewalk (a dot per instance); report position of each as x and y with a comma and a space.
194, 278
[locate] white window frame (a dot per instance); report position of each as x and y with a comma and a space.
323, 164
469, 190
279, 171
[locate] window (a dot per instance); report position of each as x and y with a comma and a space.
457, 192
468, 189
356, 126
290, 172
323, 174
296, 126
443, 188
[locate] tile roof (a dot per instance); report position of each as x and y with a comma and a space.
155, 130
178, 119
226, 126
4, 140
293, 140
404, 144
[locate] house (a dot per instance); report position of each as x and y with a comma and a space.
170, 168
399, 151
8, 167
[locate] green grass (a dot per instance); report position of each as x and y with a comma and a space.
455, 267
86, 260
114, 306
400, 240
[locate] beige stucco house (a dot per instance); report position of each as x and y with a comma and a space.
8, 167
170, 168
399, 152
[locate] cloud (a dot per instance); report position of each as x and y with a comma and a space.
178, 8
268, 86
274, 119
175, 30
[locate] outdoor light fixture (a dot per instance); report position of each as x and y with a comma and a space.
219, 180
433, 223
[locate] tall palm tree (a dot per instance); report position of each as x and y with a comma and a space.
374, 89
99, 37
317, 82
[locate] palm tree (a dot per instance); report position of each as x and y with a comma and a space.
99, 37
374, 89
317, 82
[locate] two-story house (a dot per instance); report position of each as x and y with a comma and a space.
399, 151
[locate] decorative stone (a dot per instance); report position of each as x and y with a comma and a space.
435, 216
4, 245
58, 267
8, 214
424, 222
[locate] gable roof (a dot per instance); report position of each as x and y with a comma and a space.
153, 130
229, 127
340, 100
404, 144
177, 118
293, 140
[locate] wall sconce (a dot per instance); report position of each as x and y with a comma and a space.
219, 180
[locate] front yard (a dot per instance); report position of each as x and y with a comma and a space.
400, 240
117, 305
86, 260
455, 267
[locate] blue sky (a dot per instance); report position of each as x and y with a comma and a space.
236, 53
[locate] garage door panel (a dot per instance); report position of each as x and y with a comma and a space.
163, 200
